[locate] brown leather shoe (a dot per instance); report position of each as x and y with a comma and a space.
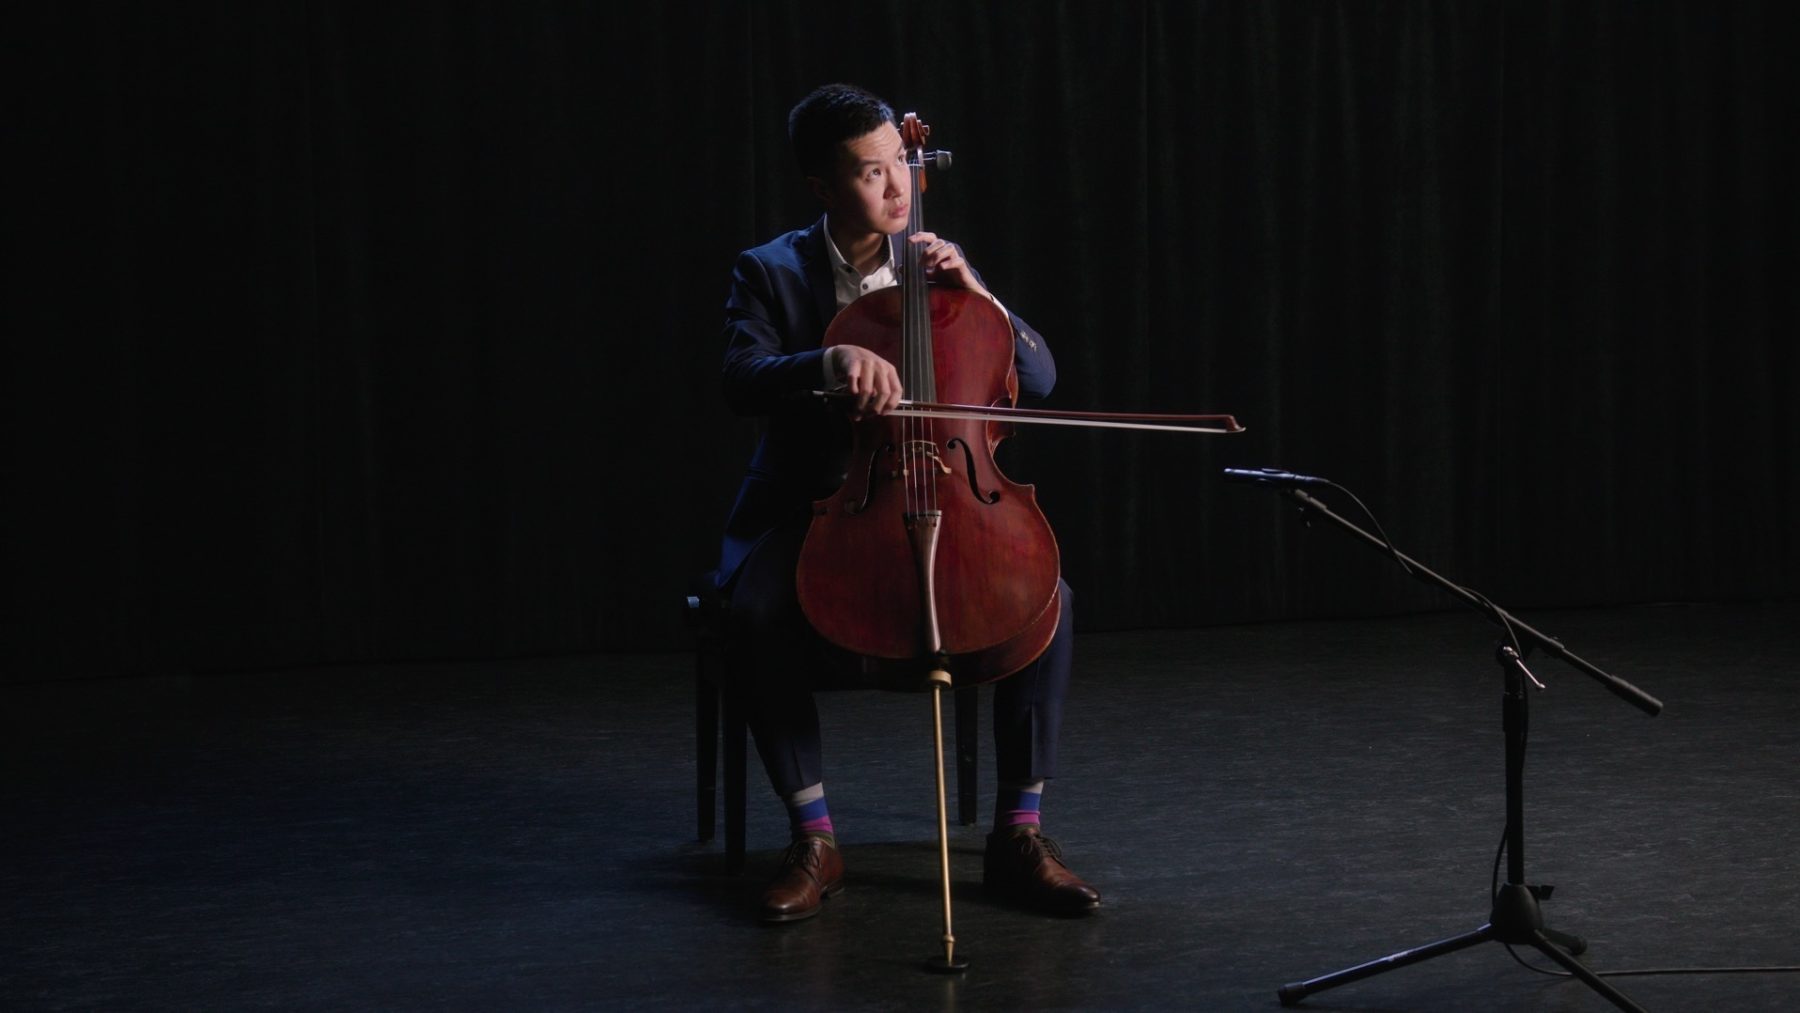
1024, 866
811, 871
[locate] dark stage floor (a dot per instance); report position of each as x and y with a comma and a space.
1258, 804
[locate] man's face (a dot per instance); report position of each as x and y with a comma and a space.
870, 189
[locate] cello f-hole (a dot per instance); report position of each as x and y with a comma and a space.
989, 498
854, 506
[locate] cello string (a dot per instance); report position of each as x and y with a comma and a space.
910, 326
909, 348
927, 377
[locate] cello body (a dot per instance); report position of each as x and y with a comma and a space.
927, 540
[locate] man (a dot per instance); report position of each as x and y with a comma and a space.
783, 295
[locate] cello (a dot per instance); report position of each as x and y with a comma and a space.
928, 560
927, 553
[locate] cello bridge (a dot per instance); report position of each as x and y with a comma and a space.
923, 450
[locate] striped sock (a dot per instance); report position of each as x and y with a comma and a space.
807, 813
1017, 804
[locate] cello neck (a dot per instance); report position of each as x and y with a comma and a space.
918, 372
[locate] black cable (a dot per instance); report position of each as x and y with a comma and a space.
1493, 610
1494, 881
1648, 971
1494, 893
1506, 832
1370, 514
1499, 615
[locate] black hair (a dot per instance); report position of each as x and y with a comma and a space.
831, 115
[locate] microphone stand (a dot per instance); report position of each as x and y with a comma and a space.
1515, 917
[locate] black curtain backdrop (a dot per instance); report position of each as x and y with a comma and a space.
343, 332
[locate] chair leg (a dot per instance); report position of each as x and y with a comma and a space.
968, 750
706, 748
735, 747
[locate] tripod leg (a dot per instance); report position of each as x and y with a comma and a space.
1293, 993
1589, 978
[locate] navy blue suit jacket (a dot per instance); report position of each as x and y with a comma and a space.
782, 299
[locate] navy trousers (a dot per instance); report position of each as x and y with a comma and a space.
776, 660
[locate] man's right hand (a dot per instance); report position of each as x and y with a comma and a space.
870, 379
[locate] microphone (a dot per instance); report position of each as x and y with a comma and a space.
1272, 476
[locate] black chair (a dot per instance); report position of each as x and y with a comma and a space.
716, 716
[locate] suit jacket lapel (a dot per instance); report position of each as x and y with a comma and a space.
818, 276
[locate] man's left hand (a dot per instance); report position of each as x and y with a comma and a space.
944, 263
